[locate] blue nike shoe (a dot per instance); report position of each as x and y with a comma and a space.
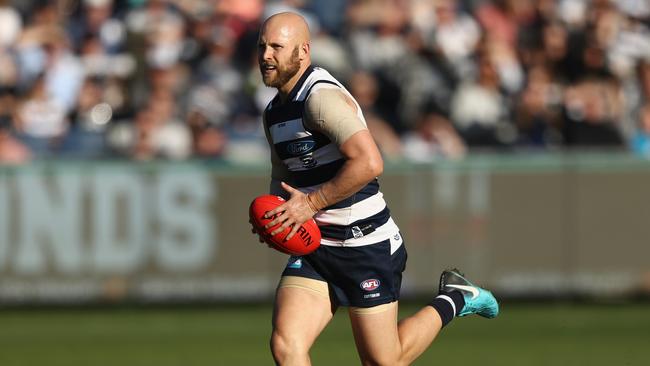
477, 300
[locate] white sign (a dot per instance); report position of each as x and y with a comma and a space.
106, 221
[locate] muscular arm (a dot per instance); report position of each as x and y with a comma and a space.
363, 164
333, 113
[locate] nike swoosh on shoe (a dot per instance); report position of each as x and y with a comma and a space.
471, 289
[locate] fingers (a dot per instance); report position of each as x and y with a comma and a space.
292, 213
277, 217
294, 230
285, 224
283, 219
292, 191
273, 212
289, 188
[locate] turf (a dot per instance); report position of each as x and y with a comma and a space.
551, 334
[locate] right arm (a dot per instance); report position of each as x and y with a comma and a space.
333, 113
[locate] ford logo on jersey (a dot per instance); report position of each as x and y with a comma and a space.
300, 147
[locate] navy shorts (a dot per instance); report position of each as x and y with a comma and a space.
363, 276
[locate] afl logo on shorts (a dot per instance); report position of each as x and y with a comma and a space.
370, 284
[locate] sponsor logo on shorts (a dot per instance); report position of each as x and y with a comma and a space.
370, 296
370, 284
295, 263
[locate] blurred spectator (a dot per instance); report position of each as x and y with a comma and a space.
499, 19
10, 25
641, 138
539, 110
12, 151
89, 122
364, 88
503, 57
165, 34
64, 72
99, 63
167, 134
480, 112
178, 78
208, 140
628, 44
151, 136
41, 120
245, 10
644, 79
8, 71
330, 53
454, 35
10, 30
218, 71
330, 14
377, 37
96, 20
592, 113
44, 52
555, 51
433, 139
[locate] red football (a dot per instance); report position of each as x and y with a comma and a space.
305, 241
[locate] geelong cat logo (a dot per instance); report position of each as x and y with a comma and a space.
370, 284
308, 160
300, 147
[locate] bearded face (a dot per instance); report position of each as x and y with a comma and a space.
278, 72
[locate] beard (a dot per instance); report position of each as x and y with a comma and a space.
284, 73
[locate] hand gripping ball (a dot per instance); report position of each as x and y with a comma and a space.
306, 239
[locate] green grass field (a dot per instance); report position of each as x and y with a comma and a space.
550, 334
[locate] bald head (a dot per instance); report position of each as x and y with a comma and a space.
283, 50
291, 25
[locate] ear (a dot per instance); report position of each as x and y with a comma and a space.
304, 48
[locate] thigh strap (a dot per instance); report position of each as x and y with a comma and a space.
372, 310
319, 287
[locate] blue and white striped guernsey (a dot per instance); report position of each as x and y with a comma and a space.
311, 159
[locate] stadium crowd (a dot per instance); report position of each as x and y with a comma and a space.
178, 79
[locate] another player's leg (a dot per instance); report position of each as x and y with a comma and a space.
302, 310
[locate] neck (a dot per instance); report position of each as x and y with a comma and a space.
285, 89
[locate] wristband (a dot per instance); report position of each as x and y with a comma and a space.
323, 200
317, 198
311, 204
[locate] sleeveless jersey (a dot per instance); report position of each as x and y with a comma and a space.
311, 159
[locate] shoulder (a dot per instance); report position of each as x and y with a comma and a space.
329, 97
